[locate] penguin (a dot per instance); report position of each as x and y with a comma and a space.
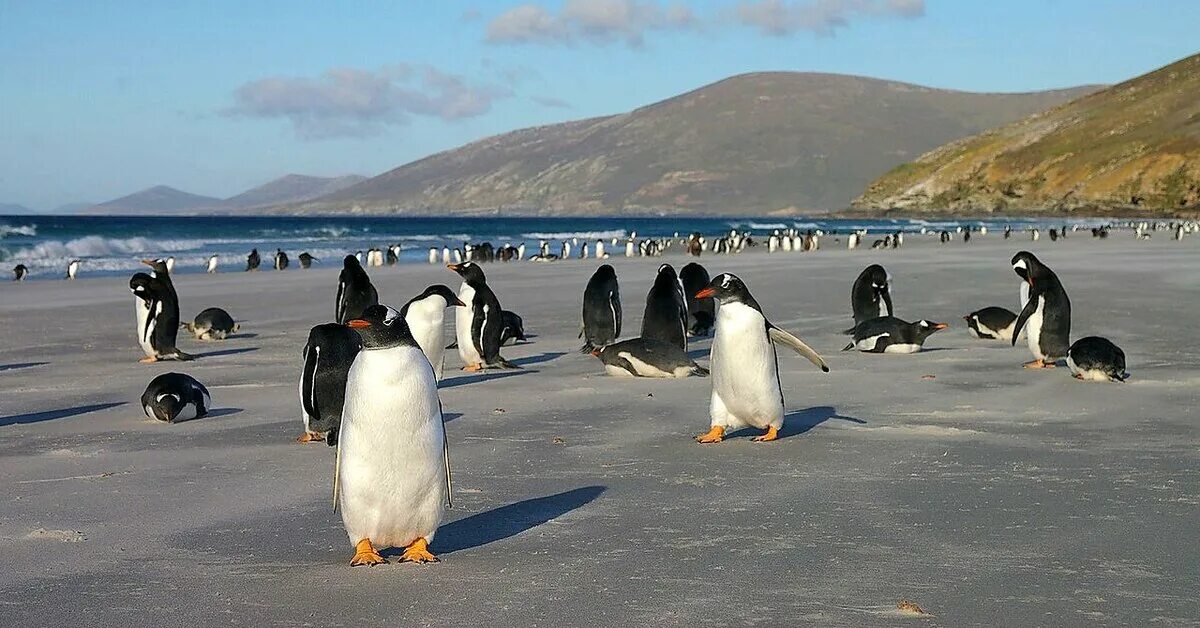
991, 323
328, 354
888, 334
433, 255
355, 292
1046, 313
871, 295
445, 255
600, 254
253, 260
513, 329
172, 397
1096, 359
306, 260
392, 478
211, 268
601, 309
646, 357
744, 365
393, 254
425, 315
212, 324
73, 269
170, 264
479, 325
702, 313
281, 260
157, 319
20, 272
665, 317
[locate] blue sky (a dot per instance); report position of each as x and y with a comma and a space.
100, 99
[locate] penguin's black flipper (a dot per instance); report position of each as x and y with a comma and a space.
587, 348
848, 347
1026, 312
699, 371
453, 345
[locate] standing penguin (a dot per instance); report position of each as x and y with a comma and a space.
157, 318
306, 260
871, 296
665, 317
425, 316
170, 263
1096, 359
702, 313
330, 351
1046, 313
211, 268
392, 479
20, 272
601, 309
355, 292
281, 260
479, 325
745, 368
174, 397
72, 269
253, 260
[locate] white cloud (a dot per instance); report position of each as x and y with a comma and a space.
595, 21
822, 17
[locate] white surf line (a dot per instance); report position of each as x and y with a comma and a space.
74, 477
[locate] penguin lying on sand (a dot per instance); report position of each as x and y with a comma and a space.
646, 357
888, 334
1097, 359
392, 477
744, 365
174, 397
991, 323
212, 324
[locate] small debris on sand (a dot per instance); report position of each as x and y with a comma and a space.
907, 607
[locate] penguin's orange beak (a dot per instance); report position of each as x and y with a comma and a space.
939, 326
454, 267
148, 262
358, 323
705, 293
596, 352
967, 318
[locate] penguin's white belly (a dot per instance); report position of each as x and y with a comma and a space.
901, 347
145, 327
463, 316
743, 369
392, 470
1091, 375
868, 343
426, 321
646, 369
1033, 330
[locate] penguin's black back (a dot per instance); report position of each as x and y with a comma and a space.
601, 309
355, 291
665, 316
183, 386
702, 313
1095, 352
864, 298
330, 352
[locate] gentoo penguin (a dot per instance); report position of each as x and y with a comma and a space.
702, 313
1046, 314
433, 255
281, 260
157, 318
888, 334
600, 254
73, 269
745, 368
445, 255
253, 260
1096, 359
513, 328
212, 264
425, 315
355, 292
479, 325
212, 324
393, 254
170, 262
991, 323
306, 260
174, 397
327, 357
601, 309
645, 357
20, 272
392, 481
871, 296
665, 317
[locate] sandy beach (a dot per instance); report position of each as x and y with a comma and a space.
985, 493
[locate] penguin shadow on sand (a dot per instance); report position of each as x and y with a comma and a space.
61, 413
450, 416
798, 422
504, 522
221, 352
539, 358
20, 365
464, 380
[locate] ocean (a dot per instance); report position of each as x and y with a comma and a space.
110, 245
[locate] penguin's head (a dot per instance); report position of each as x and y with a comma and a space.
443, 291
158, 265
1027, 266
469, 271
350, 262
605, 271
381, 327
726, 288
925, 328
143, 286
167, 406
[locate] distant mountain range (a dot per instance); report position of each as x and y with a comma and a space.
13, 208
162, 199
1129, 148
753, 144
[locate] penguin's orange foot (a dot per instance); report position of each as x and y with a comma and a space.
418, 552
365, 554
149, 360
310, 437
713, 435
472, 368
1036, 364
1078, 376
771, 434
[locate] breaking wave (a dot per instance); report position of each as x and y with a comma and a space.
24, 230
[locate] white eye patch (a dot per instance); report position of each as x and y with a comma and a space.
1021, 264
726, 281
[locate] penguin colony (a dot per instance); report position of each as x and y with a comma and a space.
369, 380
